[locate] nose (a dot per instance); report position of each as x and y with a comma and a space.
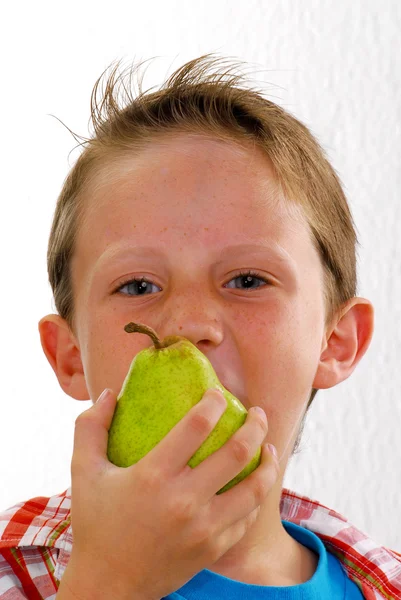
200, 321
201, 332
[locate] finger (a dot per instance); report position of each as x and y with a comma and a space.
180, 444
230, 460
239, 501
91, 433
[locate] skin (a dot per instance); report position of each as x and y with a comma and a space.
190, 197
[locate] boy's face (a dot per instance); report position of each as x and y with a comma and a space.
205, 210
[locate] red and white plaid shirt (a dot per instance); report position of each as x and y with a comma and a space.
36, 543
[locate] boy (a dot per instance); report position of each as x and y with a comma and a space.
202, 210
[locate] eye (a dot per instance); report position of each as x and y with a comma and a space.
136, 287
248, 278
142, 286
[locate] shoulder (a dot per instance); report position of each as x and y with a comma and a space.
33, 534
373, 567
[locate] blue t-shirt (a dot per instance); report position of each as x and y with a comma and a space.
329, 581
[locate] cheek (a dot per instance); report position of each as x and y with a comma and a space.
106, 354
281, 358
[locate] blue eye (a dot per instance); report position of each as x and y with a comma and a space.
142, 286
248, 278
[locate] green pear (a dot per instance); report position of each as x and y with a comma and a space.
163, 383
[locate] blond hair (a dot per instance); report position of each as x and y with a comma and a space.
204, 97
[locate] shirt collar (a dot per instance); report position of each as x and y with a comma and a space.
375, 569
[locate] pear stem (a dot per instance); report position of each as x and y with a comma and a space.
139, 328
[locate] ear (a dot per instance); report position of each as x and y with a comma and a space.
346, 344
63, 353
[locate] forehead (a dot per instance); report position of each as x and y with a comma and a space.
184, 167
204, 191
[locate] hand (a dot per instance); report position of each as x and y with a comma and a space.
151, 527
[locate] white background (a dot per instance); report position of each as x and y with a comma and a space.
336, 66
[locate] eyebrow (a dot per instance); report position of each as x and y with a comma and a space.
264, 247
273, 249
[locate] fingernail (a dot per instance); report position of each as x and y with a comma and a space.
260, 411
103, 395
217, 394
273, 449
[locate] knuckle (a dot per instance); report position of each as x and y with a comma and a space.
78, 468
263, 425
265, 478
201, 536
78, 421
83, 418
183, 509
260, 489
150, 481
273, 473
216, 550
200, 423
251, 518
241, 451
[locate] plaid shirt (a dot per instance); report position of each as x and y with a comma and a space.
36, 543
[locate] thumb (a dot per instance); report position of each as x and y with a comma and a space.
92, 432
